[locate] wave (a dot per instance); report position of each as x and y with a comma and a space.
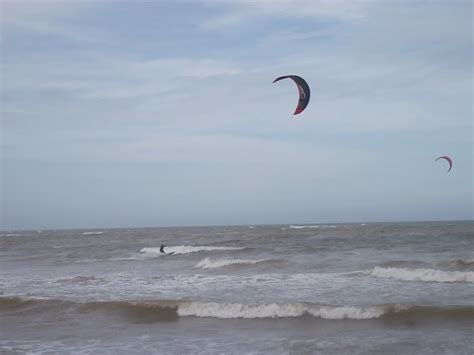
144, 311
11, 235
81, 280
92, 233
461, 264
446, 265
311, 226
207, 263
275, 310
184, 249
303, 227
425, 275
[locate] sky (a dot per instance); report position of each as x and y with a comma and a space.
163, 113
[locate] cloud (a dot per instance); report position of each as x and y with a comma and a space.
199, 107
52, 18
242, 11
125, 110
97, 77
340, 9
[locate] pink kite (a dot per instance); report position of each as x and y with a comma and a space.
448, 159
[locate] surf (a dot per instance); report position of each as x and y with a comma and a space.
208, 263
184, 249
424, 275
149, 311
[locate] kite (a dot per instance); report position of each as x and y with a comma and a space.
448, 159
303, 89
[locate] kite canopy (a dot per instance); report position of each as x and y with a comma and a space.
448, 159
303, 89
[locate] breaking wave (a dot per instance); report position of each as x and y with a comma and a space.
426, 275
92, 233
274, 310
207, 263
311, 226
461, 264
171, 310
184, 249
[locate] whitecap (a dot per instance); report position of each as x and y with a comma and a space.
184, 249
274, 310
207, 263
425, 275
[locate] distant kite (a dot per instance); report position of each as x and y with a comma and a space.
448, 159
303, 89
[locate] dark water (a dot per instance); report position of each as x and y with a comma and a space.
355, 288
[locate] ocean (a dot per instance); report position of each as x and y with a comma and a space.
375, 288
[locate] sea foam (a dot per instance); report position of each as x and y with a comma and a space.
274, 310
184, 249
312, 226
426, 275
208, 263
149, 311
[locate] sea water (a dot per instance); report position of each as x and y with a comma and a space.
386, 288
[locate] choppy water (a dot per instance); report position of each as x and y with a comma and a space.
355, 288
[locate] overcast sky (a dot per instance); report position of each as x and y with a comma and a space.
162, 113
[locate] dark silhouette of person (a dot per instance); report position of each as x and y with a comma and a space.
162, 247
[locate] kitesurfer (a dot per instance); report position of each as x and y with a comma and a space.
162, 248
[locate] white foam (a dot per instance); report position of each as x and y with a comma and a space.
207, 263
312, 226
426, 275
184, 249
303, 227
92, 233
349, 312
11, 235
274, 310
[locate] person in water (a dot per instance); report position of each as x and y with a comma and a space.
162, 248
